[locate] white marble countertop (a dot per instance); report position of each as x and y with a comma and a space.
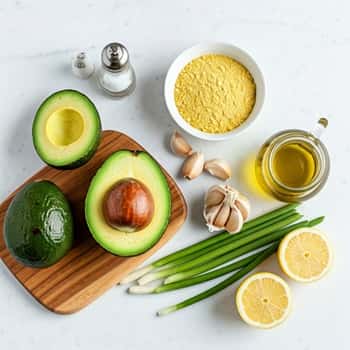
303, 48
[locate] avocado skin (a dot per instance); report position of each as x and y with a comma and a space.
38, 225
97, 137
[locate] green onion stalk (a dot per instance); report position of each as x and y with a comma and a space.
233, 278
195, 249
204, 277
224, 248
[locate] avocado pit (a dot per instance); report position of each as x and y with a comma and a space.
128, 206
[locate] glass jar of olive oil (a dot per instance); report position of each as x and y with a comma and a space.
293, 165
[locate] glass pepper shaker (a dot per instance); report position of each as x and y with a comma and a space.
116, 76
82, 67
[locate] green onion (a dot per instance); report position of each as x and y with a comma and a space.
213, 240
223, 235
195, 280
220, 286
230, 238
227, 282
316, 221
218, 251
259, 243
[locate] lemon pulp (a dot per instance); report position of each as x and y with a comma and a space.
263, 300
305, 255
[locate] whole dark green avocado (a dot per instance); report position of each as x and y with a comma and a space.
39, 225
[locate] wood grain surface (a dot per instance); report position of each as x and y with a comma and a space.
87, 271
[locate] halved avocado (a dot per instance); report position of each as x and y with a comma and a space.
135, 168
66, 129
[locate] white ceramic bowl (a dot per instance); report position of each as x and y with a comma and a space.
216, 48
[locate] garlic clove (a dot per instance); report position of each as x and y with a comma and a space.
219, 168
243, 205
193, 166
210, 215
179, 145
235, 220
222, 216
214, 196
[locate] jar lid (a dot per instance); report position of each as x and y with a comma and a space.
114, 57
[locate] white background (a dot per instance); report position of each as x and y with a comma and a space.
303, 48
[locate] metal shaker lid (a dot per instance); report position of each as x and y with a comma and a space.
114, 57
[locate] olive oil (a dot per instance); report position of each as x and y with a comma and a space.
294, 164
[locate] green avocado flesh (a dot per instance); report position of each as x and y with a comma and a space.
66, 129
143, 168
38, 227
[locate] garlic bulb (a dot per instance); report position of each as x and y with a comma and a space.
219, 168
179, 145
225, 209
193, 166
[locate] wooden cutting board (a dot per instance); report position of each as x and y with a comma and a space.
87, 271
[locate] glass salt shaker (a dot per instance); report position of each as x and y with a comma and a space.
116, 76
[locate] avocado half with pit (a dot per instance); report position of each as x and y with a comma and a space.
66, 129
128, 204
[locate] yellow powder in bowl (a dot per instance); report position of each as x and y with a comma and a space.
215, 93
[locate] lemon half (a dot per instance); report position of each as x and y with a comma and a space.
263, 300
305, 255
